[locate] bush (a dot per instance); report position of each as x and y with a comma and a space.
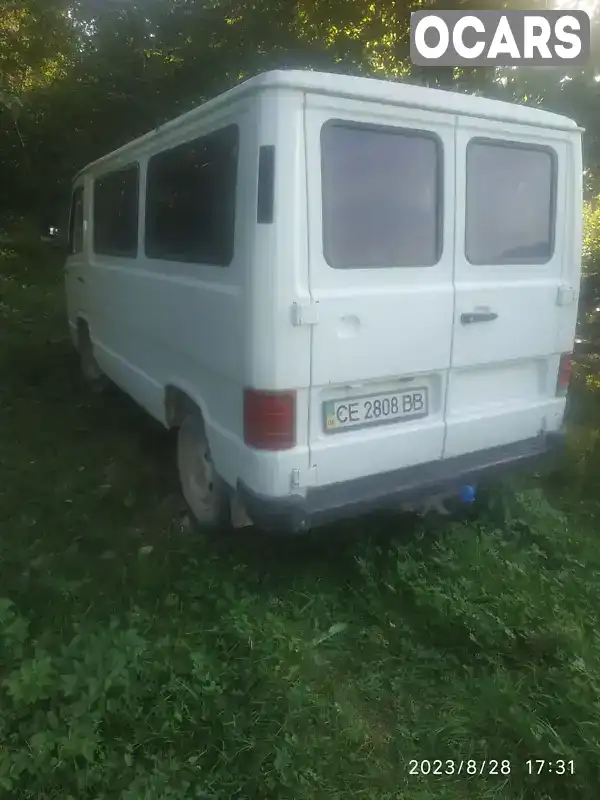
589, 317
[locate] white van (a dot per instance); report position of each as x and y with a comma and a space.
345, 293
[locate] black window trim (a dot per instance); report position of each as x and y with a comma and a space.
516, 145
211, 132
265, 193
423, 133
132, 165
80, 187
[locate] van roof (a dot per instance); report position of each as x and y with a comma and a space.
373, 89
407, 94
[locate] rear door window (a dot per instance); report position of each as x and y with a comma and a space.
510, 213
381, 190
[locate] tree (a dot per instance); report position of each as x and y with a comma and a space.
85, 76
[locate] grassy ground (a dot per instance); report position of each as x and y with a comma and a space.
141, 662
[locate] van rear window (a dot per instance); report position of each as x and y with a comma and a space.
510, 203
381, 190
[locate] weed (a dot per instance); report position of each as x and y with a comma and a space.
141, 663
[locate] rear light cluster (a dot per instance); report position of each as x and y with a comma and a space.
269, 419
564, 373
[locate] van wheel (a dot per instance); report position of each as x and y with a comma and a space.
92, 373
203, 489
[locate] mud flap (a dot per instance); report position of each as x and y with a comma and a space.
239, 515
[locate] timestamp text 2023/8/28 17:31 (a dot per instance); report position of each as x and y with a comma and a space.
472, 766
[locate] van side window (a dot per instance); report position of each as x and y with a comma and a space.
510, 203
382, 196
76, 222
190, 200
116, 213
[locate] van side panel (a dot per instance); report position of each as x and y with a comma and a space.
157, 323
571, 274
77, 286
277, 353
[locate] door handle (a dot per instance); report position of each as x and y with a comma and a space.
80, 279
478, 316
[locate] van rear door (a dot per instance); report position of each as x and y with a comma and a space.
516, 281
381, 249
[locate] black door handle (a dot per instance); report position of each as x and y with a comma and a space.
80, 279
478, 316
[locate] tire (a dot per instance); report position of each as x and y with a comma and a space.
92, 374
204, 491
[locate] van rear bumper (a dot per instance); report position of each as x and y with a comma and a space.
324, 504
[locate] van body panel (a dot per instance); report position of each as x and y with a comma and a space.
158, 323
379, 329
420, 350
75, 271
411, 486
277, 353
502, 383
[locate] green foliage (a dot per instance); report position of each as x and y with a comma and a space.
86, 81
589, 316
591, 236
34, 44
137, 662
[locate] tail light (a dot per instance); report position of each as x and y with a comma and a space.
269, 419
564, 373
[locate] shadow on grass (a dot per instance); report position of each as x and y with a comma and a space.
105, 480
340, 654
575, 479
114, 489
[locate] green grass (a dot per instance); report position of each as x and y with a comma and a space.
143, 662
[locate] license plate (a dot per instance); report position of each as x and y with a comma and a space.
375, 409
